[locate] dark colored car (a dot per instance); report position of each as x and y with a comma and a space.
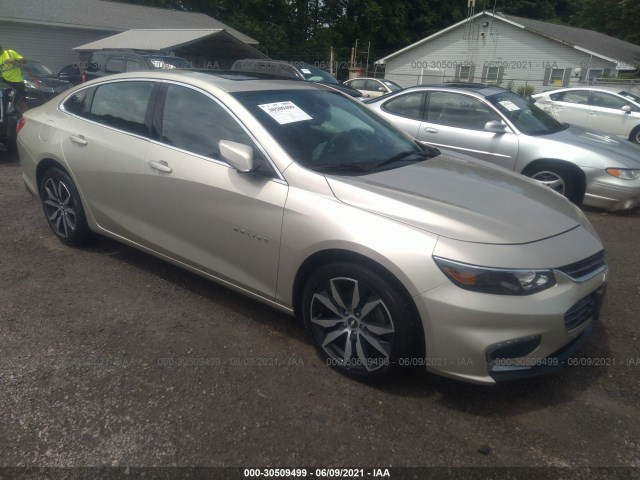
8, 117
108, 62
300, 71
72, 74
41, 83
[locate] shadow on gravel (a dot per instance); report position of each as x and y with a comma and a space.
505, 399
204, 288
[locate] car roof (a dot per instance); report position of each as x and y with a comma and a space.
229, 81
479, 88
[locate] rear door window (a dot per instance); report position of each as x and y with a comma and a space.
581, 97
122, 105
408, 105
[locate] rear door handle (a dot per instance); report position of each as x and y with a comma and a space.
79, 139
431, 130
161, 166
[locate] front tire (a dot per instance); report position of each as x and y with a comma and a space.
63, 208
557, 177
635, 135
360, 322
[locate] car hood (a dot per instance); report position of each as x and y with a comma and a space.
461, 199
46, 80
599, 142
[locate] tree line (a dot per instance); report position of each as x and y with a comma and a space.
305, 30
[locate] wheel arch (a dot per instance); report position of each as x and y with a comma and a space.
549, 162
324, 257
44, 165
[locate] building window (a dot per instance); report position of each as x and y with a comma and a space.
493, 74
557, 76
464, 73
594, 73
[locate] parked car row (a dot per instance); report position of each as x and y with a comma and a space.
394, 253
498, 126
300, 71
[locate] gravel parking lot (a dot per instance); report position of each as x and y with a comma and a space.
110, 357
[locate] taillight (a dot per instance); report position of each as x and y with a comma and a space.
19, 125
84, 77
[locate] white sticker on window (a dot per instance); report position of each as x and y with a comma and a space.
285, 112
305, 70
509, 105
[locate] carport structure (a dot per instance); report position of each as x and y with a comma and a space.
205, 48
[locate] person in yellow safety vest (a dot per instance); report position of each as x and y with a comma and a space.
11, 68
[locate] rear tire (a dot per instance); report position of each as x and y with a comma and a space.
359, 321
635, 135
63, 208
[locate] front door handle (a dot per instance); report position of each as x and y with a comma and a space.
161, 166
79, 139
431, 130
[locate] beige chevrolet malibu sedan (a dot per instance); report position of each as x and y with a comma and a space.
394, 254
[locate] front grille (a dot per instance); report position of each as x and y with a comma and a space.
582, 311
583, 268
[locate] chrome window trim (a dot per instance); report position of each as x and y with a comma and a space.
246, 130
279, 178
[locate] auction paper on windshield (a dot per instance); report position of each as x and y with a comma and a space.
285, 112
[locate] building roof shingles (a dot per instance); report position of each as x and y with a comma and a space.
108, 15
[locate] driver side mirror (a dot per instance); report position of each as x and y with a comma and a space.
238, 155
495, 126
626, 109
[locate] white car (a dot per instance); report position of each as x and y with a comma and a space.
373, 87
595, 109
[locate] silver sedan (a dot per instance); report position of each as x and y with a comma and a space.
498, 126
393, 254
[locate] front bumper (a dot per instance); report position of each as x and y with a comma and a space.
610, 193
484, 338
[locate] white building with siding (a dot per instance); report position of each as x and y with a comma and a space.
47, 31
511, 51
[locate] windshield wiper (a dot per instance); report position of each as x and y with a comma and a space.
347, 167
403, 156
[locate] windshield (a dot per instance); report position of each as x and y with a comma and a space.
630, 96
525, 116
393, 86
36, 68
327, 132
314, 74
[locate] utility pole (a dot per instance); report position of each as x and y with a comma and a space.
331, 62
355, 54
366, 72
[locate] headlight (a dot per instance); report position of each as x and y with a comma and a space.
496, 280
624, 173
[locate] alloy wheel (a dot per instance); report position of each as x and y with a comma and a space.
551, 180
59, 207
352, 324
